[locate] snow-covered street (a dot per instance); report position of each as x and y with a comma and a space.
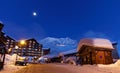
91, 69
55, 67
11, 68
9, 65
67, 68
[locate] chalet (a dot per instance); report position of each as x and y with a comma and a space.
95, 51
68, 56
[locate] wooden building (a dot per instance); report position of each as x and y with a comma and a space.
95, 51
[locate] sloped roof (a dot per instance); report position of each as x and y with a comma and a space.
68, 52
95, 42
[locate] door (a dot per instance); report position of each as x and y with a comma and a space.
100, 57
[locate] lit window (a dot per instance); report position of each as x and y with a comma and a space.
12, 41
30, 41
11, 45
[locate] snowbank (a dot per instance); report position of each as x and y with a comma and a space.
116, 64
89, 69
9, 66
10, 59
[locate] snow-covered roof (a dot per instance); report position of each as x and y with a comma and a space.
49, 56
68, 52
95, 42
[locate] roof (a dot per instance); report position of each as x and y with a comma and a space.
68, 52
95, 42
49, 56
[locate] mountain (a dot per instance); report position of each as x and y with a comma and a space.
58, 45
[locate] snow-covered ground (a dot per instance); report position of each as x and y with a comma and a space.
9, 66
100, 68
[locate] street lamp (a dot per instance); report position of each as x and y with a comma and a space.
16, 47
22, 43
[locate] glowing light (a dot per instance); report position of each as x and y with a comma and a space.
22, 42
34, 14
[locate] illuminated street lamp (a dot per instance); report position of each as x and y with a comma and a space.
16, 47
22, 43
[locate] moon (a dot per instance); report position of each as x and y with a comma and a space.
34, 14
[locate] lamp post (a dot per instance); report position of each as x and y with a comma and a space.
16, 47
22, 43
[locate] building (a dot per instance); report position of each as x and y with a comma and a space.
115, 52
10, 44
95, 51
68, 56
30, 48
45, 51
2, 47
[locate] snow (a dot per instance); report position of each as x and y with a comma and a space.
68, 52
9, 66
100, 68
10, 59
49, 56
58, 45
116, 65
95, 42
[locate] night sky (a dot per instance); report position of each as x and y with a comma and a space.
61, 18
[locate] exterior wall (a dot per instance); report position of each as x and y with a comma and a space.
31, 48
91, 55
46, 51
10, 44
115, 54
103, 56
2, 47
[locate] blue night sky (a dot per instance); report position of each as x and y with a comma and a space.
61, 18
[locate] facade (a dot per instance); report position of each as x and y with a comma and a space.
30, 48
2, 47
10, 44
115, 52
95, 51
45, 51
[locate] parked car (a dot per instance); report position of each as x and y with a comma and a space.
21, 61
